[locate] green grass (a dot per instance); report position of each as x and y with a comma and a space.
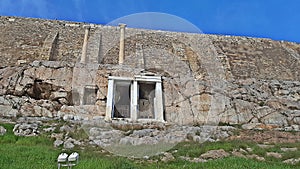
192, 149
22, 156
226, 163
38, 153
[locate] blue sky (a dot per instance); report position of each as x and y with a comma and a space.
275, 19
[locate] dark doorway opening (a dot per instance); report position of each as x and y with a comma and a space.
90, 95
146, 100
122, 99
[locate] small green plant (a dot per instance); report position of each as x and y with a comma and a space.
261, 103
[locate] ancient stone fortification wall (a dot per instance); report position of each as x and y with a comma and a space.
206, 78
33, 39
44, 89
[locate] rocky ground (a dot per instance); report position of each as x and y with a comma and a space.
267, 136
68, 135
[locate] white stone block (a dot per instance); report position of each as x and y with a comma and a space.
62, 157
73, 157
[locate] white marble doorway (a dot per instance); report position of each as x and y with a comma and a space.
137, 99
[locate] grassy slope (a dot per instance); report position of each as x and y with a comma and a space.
38, 153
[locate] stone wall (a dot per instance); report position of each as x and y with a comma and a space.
46, 89
259, 58
242, 57
33, 39
207, 79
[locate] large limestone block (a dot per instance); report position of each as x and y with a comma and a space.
275, 118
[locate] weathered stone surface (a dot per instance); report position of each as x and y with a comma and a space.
32, 38
139, 141
26, 129
2, 130
106, 136
289, 149
144, 132
249, 149
58, 143
57, 136
273, 154
167, 157
66, 128
195, 160
214, 154
68, 144
254, 156
207, 79
251, 102
250, 126
292, 161
268, 137
49, 129
238, 153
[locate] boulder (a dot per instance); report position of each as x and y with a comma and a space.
58, 143
292, 161
288, 149
58, 94
26, 129
2, 130
142, 133
167, 157
68, 144
273, 154
254, 156
238, 153
214, 154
